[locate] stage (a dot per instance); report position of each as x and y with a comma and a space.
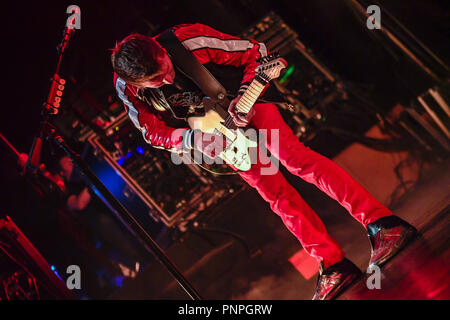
266, 269
91, 153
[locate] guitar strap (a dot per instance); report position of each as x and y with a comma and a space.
193, 69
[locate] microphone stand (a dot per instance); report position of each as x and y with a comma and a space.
48, 132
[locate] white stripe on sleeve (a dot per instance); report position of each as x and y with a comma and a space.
133, 113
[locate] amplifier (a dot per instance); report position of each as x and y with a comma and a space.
428, 118
307, 85
158, 192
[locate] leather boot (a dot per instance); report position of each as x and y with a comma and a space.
334, 279
388, 236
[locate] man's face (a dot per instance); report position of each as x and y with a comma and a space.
165, 75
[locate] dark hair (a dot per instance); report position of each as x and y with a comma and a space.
136, 57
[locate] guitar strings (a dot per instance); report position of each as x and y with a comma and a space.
246, 102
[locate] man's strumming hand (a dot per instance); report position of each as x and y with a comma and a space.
209, 144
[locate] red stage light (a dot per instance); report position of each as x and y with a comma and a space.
305, 264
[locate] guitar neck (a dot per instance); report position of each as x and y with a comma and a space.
250, 95
268, 70
247, 100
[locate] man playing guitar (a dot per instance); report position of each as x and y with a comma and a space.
144, 79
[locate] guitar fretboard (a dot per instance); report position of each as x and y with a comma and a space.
247, 100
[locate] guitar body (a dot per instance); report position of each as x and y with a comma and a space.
238, 151
210, 121
217, 121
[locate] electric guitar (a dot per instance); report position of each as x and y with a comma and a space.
217, 120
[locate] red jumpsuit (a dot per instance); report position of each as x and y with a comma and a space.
209, 45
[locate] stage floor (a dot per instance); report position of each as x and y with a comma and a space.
420, 272
252, 261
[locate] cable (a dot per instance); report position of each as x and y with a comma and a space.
394, 197
234, 235
216, 173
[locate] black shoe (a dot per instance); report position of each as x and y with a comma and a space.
335, 278
388, 236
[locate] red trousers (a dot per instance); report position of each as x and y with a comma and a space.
314, 168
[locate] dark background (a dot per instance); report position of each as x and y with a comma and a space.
31, 31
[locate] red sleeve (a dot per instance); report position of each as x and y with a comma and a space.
154, 130
210, 45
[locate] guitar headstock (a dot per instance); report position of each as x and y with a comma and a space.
270, 67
